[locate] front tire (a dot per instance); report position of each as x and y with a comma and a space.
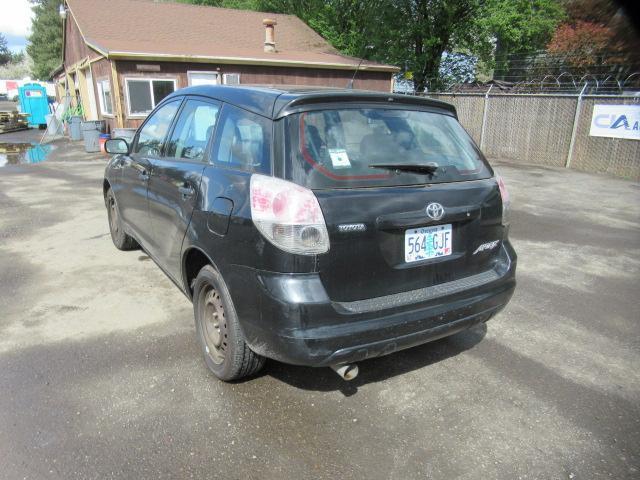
223, 344
121, 240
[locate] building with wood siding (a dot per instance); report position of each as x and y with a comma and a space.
121, 57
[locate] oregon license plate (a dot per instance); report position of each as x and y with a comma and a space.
427, 242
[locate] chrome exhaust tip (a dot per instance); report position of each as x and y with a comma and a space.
347, 371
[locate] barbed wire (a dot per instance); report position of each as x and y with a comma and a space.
564, 82
604, 72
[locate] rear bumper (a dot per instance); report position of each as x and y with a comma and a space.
289, 317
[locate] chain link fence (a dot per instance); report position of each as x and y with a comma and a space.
544, 129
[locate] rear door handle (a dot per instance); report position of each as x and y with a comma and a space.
186, 191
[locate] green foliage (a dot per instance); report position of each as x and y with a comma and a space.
521, 26
425, 29
45, 42
19, 67
412, 34
518, 27
5, 53
18, 57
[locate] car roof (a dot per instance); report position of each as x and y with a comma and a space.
275, 101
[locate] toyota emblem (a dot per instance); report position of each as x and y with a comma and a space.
435, 211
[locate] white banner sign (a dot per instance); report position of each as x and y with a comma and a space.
616, 121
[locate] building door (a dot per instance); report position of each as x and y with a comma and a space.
202, 78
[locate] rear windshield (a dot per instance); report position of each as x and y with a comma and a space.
337, 148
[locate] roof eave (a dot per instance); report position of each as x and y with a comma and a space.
56, 71
115, 55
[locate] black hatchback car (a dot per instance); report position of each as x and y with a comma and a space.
315, 227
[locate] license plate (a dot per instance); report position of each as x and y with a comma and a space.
427, 242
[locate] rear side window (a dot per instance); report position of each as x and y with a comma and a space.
244, 141
155, 129
193, 129
340, 148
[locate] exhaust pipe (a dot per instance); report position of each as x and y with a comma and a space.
347, 371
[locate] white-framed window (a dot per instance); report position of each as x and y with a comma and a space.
104, 95
231, 79
195, 77
143, 94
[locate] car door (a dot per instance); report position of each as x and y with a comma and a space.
176, 177
136, 169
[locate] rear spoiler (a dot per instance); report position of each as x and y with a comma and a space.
286, 105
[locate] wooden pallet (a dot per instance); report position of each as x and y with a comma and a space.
13, 117
13, 127
13, 121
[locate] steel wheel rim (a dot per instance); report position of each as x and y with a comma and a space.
214, 326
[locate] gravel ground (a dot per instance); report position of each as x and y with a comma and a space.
101, 377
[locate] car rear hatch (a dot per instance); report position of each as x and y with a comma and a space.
407, 198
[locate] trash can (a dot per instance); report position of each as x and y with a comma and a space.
53, 125
101, 125
91, 134
75, 128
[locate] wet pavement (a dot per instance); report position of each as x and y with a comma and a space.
25, 147
17, 153
101, 376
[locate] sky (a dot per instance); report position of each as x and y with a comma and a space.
15, 22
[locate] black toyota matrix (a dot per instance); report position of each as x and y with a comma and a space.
313, 226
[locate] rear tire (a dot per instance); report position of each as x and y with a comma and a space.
223, 344
121, 240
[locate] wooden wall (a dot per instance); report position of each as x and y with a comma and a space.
75, 49
249, 74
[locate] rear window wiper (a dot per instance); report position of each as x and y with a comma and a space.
407, 167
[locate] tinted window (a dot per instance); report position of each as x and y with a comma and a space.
144, 94
161, 88
336, 148
155, 129
140, 100
193, 129
244, 140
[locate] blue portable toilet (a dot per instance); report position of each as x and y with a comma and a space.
33, 100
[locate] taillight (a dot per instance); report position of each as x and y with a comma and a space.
288, 215
506, 202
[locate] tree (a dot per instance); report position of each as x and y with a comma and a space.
5, 53
45, 42
517, 27
414, 34
19, 67
584, 45
410, 33
596, 30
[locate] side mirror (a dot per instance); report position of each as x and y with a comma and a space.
117, 145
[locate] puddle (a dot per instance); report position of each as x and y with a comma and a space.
20, 153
